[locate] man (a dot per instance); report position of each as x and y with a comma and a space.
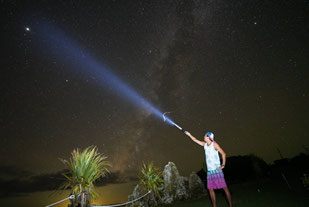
215, 176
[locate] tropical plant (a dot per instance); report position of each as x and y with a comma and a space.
84, 168
152, 178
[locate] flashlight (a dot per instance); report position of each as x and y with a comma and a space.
166, 119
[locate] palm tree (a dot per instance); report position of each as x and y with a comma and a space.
151, 180
84, 168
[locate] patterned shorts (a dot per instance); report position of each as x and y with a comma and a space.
215, 179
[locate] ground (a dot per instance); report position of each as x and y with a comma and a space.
267, 192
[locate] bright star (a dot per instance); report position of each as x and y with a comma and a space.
27, 29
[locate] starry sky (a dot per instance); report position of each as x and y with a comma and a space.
238, 69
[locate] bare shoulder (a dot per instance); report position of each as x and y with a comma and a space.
216, 146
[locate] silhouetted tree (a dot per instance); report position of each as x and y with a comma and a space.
241, 168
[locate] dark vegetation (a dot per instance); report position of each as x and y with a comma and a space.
250, 167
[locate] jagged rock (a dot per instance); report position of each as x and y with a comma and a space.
149, 200
136, 193
174, 184
176, 187
196, 186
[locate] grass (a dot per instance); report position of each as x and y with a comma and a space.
255, 194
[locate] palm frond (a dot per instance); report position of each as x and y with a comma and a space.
84, 168
152, 178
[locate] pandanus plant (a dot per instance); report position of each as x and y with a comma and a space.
151, 180
85, 167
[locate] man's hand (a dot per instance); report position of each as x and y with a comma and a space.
220, 168
194, 139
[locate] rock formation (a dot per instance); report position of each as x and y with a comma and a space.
175, 188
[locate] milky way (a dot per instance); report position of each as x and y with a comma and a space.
237, 69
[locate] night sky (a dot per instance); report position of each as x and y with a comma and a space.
236, 68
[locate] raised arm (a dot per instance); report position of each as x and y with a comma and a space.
194, 139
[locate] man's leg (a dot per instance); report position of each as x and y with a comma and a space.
228, 196
213, 197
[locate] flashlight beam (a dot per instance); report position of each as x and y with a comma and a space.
177, 126
86, 65
164, 118
168, 120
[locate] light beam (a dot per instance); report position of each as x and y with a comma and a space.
64, 47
